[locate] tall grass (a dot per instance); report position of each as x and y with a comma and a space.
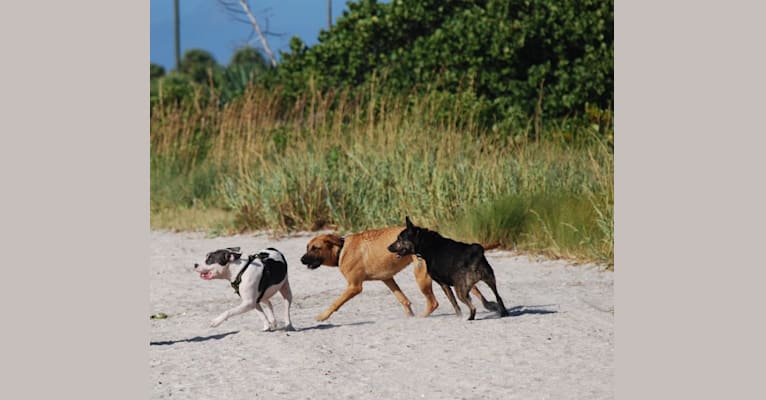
361, 159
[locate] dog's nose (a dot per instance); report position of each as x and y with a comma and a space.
303, 259
196, 265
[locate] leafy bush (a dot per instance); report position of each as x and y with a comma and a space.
247, 66
199, 65
250, 59
546, 57
156, 71
173, 88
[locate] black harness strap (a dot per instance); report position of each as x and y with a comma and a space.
238, 279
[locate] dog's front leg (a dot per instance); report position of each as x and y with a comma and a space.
352, 290
405, 302
424, 282
243, 307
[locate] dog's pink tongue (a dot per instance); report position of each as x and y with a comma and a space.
205, 275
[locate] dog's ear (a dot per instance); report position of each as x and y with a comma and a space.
234, 256
335, 240
233, 249
410, 226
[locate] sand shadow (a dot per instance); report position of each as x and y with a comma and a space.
322, 327
194, 339
523, 310
512, 312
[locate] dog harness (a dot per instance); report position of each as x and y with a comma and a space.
238, 279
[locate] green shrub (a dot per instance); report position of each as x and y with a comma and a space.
525, 57
156, 71
199, 65
173, 88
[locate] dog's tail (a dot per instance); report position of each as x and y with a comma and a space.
490, 245
489, 305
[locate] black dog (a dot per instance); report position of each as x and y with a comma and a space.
449, 262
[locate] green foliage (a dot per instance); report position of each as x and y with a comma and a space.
561, 224
199, 65
522, 56
249, 58
171, 183
156, 71
173, 88
246, 67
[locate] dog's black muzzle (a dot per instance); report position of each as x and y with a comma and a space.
400, 249
311, 262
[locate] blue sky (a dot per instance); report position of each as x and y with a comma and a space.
206, 25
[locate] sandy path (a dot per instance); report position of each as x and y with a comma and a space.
558, 343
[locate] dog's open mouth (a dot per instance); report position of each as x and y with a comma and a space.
403, 253
314, 265
206, 275
399, 252
311, 262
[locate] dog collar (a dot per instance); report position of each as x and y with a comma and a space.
238, 279
340, 249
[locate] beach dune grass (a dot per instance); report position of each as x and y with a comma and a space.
358, 161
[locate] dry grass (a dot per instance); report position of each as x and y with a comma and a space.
364, 159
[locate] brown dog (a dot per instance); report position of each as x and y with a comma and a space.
364, 257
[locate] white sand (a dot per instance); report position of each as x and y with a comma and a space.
557, 344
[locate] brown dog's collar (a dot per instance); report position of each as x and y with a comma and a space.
342, 242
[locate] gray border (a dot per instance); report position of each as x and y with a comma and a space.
75, 176
689, 177
689, 201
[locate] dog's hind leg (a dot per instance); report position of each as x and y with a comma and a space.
269, 311
425, 283
391, 283
464, 296
266, 323
451, 297
488, 305
287, 294
352, 290
489, 279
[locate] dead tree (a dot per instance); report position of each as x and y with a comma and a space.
241, 8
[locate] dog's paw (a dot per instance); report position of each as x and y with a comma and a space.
267, 328
322, 317
216, 322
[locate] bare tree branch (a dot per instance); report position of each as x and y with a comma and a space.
244, 9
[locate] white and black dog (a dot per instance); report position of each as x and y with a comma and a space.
255, 279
